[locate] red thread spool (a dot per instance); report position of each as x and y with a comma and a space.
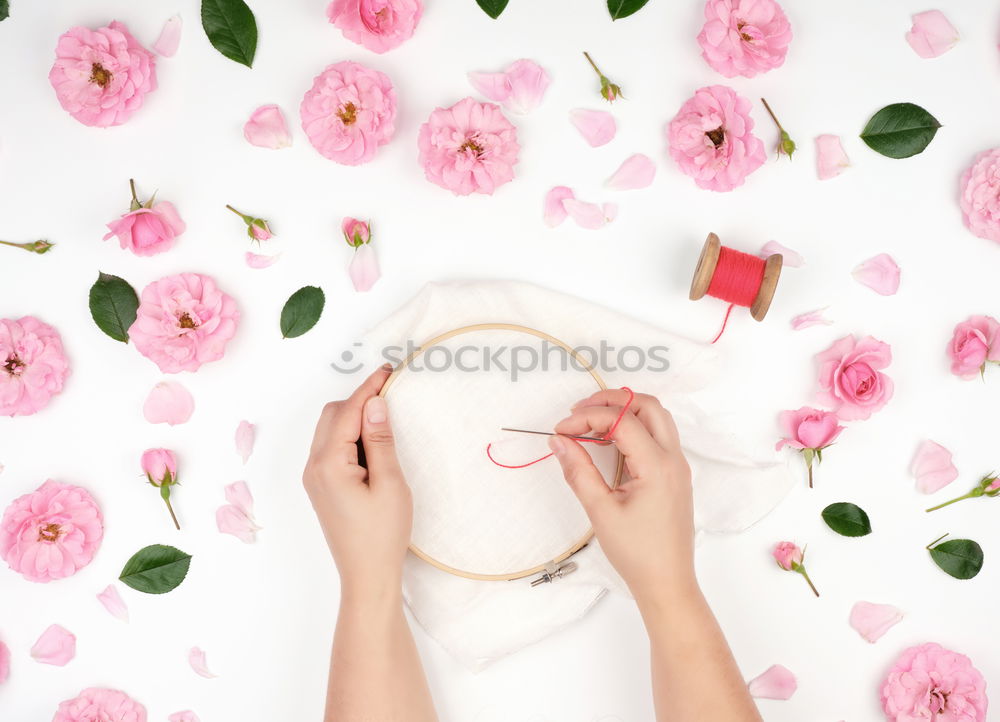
736, 277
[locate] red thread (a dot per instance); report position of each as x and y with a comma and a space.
606, 437
737, 279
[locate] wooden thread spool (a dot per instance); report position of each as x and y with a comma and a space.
708, 263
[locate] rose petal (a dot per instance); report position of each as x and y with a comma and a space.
810, 318
528, 82
610, 211
555, 210
871, 621
789, 257
596, 126
830, 157
238, 494
168, 403
932, 467
231, 520
114, 603
196, 658
56, 646
245, 434
170, 37
586, 215
637, 171
881, 274
256, 260
931, 35
364, 269
4, 662
492, 85
185, 716
776, 683
267, 128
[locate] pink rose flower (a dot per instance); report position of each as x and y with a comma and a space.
355, 232
850, 379
980, 195
788, 555
102, 76
973, 344
744, 37
51, 533
33, 366
468, 148
159, 466
379, 25
809, 430
148, 231
102, 704
349, 112
183, 321
711, 140
929, 682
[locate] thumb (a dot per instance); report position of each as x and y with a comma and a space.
581, 474
379, 443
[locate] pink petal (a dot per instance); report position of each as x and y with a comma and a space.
256, 260
56, 646
871, 621
932, 467
881, 274
776, 683
610, 211
586, 215
637, 171
245, 433
596, 126
494, 86
238, 494
811, 318
231, 519
931, 35
555, 210
196, 658
267, 128
4, 662
170, 37
185, 716
114, 603
830, 157
168, 403
528, 82
364, 269
789, 257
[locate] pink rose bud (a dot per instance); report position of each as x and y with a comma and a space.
994, 485
989, 486
356, 232
160, 467
609, 91
789, 557
810, 431
257, 228
973, 344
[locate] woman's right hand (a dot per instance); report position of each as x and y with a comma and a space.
646, 525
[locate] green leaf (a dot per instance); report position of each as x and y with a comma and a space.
900, 130
4, 9
623, 8
231, 28
493, 8
113, 304
961, 558
847, 519
156, 569
302, 310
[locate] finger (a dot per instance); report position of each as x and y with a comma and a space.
632, 438
647, 409
380, 445
581, 474
339, 426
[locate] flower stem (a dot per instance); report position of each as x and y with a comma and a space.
171, 510
131, 184
246, 218
38, 247
970, 495
771, 113
802, 571
810, 475
592, 63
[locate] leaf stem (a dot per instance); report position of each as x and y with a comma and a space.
928, 547
970, 495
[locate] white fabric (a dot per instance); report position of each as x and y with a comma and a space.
470, 514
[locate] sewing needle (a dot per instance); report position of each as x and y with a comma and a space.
552, 433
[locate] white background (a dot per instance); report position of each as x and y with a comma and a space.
265, 613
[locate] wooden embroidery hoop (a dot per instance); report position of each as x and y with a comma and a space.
579, 543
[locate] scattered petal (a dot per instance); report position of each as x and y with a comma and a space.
596, 126
238, 494
168, 403
871, 621
364, 269
196, 658
610, 211
236, 517
256, 260
170, 37
881, 274
555, 210
932, 34
789, 257
4, 662
185, 716
56, 646
811, 318
637, 171
776, 683
245, 434
492, 85
932, 467
114, 603
520, 88
831, 160
267, 128
588, 215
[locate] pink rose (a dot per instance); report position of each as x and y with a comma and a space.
379, 25
744, 37
973, 344
102, 76
711, 140
355, 232
468, 148
349, 112
980, 195
849, 377
788, 555
148, 231
159, 466
100, 704
808, 428
929, 682
51, 533
183, 321
33, 366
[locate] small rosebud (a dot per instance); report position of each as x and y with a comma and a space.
38, 247
786, 146
609, 91
257, 228
790, 558
356, 232
989, 486
160, 467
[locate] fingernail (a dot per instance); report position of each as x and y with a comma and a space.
557, 445
387, 367
375, 410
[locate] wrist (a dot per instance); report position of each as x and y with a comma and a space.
371, 595
675, 599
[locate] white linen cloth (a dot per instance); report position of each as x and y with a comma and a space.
481, 621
